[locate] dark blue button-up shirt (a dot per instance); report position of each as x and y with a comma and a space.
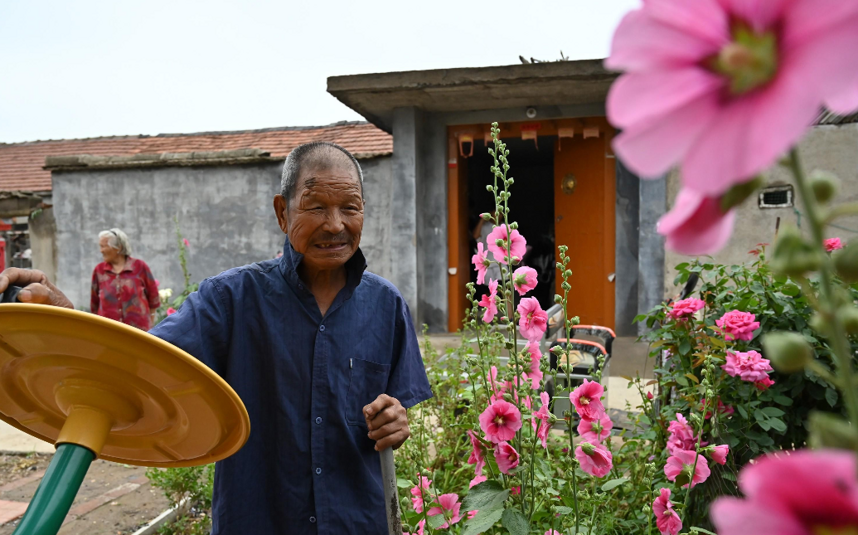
308, 466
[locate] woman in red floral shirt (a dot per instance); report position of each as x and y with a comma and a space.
123, 288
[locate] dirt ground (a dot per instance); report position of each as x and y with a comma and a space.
100, 507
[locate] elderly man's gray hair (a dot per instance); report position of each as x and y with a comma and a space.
315, 154
116, 239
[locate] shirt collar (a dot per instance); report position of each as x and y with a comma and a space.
291, 259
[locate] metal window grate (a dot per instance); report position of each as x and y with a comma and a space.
776, 197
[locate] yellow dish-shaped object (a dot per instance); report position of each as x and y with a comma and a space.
69, 376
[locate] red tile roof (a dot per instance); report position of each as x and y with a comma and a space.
21, 163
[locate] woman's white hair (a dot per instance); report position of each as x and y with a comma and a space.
116, 239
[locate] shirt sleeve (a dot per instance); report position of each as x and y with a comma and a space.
408, 382
200, 327
151, 289
93, 299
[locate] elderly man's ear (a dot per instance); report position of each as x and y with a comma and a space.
280, 206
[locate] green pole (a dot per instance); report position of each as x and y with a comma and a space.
56, 492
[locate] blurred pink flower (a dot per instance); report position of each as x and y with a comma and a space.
587, 399
476, 481
186, 242
477, 456
738, 325
801, 493
594, 431
535, 373
171, 311
420, 527
420, 493
683, 460
157, 282
832, 244
472, 514
449, 507
696, 224
490, 302
764, 384
515, 246
500, 421
722, 409
506, 457
719, 453
725, 87
749, 366
533, 320
481, 263
681, 435
595, 459
552, 532
515, 490
666, 518
649, 395
686, 307
524, 279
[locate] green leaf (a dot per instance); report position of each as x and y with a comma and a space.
614, 483
482, 521
831, 396
403, 483
563, 510
684, 347
514, 522
778, 425
436, 521
783, 400
773, 412
486, 495
765, 424
759, 416
701, 530
790, 290
729, 476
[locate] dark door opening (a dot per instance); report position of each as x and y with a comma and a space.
531, 205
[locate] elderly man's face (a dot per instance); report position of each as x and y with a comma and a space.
325, 219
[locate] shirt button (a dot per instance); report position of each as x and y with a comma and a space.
312, 519
318, 471
321, 328
318, 419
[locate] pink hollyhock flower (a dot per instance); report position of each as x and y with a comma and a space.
552, 532
449, 507
515, 490
477, 457
803, 493
420, 493
737, 325
719, 453
666, 518
686, 307
832, 244
749, 366
506, 457
496, 386
595, 459
481, 263
186, 242
681, 435
533, 320
515, 246
587, 399
696, 224
543, 417
682, 461
535, 373
524, 279
476, 481
500, 421
490, 302
725, 87
420, 527
472, 514
595, 431
764, 384
171, 311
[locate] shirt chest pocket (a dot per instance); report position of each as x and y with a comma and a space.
367, 381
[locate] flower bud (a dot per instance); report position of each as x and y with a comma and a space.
824, 185
846, 262
557, 350
789, 352
486, 216
507, 397
588, 448
848, 316
818, 324
558, 298
489, 187
513, 225
828, 430
792, 255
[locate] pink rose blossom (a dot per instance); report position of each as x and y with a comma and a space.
696, 224
686, 307
719, 453
800, 493
506, 457
737, 325
524, 279
533, 320
420, 493
449, 507
477, 457
764, 384
683, 460
724, 87
681, 435
490, 302
587, 399
476, 481
649, 395
666, 518
500, 421
535, 373
595, 459
515, 246
481, 263
171, 311
832, 244
749, 366
595, 431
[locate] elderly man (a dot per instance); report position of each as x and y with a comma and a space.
323, 354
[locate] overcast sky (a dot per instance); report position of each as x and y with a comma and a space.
88, 68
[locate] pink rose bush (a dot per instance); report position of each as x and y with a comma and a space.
738, 325
685, 308
666, 518
682, 436
749, 366
832, 244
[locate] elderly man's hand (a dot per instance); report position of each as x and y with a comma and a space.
36, 288
387, 422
